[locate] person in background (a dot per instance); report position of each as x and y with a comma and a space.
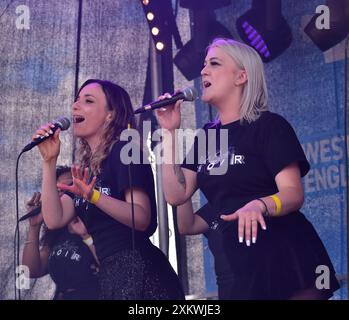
66, 254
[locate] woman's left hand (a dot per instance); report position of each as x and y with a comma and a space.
80, 186
249, 216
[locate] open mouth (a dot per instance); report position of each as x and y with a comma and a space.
78, 119
206, 84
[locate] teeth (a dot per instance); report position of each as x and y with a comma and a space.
78, 119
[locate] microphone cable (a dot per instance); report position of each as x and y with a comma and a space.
16, 240
133, 224
346, 162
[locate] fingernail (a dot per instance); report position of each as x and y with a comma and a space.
37, 136
51, 131
264, 228
47, 134
222, 216
248, 243
254, 239
241, 239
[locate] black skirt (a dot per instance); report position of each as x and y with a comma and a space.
289, 257
142, 274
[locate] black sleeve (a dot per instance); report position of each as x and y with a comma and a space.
191, 163
281, 146
135, 175
212, 218
206, 213
138, 175
141, 177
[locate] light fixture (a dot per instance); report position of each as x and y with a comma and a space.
189, 60
159, 45
161, 21
338, 17
265, 29
155, 31
150, 16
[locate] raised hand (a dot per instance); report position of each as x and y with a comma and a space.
169, 117
49, 148
81, 187
32, 204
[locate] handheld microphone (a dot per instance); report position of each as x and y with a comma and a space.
30, 214
187, 94
62, 123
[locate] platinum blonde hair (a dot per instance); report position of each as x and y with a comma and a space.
254, 95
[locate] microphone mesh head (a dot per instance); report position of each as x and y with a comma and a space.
190, 93
63, 123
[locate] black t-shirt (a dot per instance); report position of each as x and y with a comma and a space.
256, 153
108, 234
72, 266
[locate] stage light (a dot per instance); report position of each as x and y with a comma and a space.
160, 46
264, 28
161, 21
189, 60
338, 18
150, 16
256, 40
155, 31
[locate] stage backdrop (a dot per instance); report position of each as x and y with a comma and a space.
41, 59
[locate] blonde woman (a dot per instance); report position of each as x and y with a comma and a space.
102, 197
264, 247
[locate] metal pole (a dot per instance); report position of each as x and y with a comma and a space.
346, 151
156, 90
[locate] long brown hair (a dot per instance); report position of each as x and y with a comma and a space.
119, 103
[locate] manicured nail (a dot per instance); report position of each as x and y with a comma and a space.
241, 239
264, 228
248, 243
254, 239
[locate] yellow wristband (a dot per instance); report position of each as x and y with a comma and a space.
95, 196
277, 203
